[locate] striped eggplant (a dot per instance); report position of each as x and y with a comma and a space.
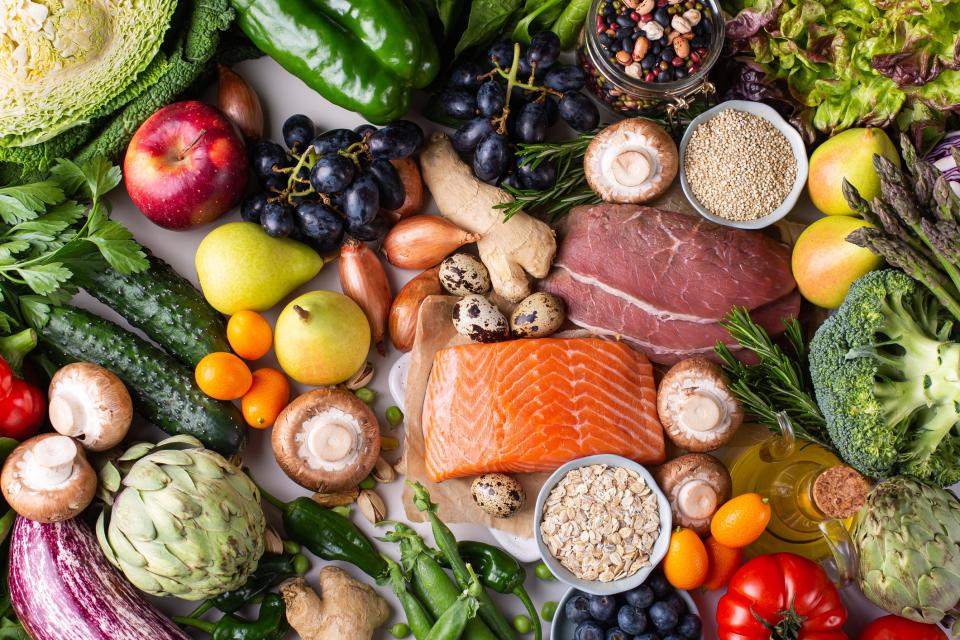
63, 588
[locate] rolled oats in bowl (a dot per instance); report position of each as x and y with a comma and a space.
601, 522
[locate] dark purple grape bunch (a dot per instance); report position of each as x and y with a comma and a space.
515, 98
323, 186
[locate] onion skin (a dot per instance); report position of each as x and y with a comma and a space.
406, 307
363, 279
421, 242
63, 588
413, 188
240, 102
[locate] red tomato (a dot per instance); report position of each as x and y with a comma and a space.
897, 628
22, 411
782, 593
6, 378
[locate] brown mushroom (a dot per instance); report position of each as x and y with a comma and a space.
48, 479
633, 161
327, 440
91, 404
696, 484
697, 408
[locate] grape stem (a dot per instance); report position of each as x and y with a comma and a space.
353, 152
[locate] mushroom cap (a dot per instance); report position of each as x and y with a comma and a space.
632, 161
696, 484
48, 479
696, 407
327, 440
91, 404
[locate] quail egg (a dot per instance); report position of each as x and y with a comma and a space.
499, 495
537, 316
479, 319
463, 274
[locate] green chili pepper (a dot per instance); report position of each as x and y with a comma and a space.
447, 544
319, 50
501, 572
271, 623
453, 622
548, 610
271, 570
419, 620
328, 534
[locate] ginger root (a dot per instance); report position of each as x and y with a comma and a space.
507, 248
348, 610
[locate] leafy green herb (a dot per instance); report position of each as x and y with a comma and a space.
487, 20
568, 24
779, 382
55, 230
449, 11
571, 188
537, 15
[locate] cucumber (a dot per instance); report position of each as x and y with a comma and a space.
163, 390
166, 307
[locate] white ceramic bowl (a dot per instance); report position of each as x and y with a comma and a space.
796, 144
659, 547
562, 628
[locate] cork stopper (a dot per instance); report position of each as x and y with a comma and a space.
840, 491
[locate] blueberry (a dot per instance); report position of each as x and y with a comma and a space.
297, 131
266, 155
566, 77
640, 597
662, 616
617, 633
277, 220
631, 619
468, 136
392, 191
589, 630
252, 206
330, 142
579, 111
689, 626
676, 603
361, 200
602, 608
577, 609
491, 97
332, 173
538, 178
398, 139
659, 585
373, 231
465, 75
492, 157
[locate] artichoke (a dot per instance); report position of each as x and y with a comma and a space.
181, 520
908, 539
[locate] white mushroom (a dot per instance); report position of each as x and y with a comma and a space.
48, 479
697, 409
696, 484
91, 404
327, 440
633, 161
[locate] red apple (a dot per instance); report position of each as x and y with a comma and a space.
185, 165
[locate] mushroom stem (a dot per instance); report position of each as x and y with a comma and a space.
697, 499
701, 410
331, 441
52, 463
63, 412
631, 168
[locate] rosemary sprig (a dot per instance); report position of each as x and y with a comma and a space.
571, 188
779, 382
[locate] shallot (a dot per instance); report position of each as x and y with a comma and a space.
363, 279
421, 242
406, 307
239, 101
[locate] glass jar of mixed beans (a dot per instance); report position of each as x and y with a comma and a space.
651, 57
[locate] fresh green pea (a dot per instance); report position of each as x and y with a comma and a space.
400, 630
543, 572
365, 395
548, 610
368, 483
301, 564
289, 546
394, 416
522, 624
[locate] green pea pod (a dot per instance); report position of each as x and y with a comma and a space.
418, 619
311, 46
271, 623
453, 622
385, 27
429, 55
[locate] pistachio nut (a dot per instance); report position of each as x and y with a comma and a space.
371, 505
362, 378
336, 499
384, 472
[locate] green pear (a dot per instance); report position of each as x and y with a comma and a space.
321, 337
847, 155
241, 267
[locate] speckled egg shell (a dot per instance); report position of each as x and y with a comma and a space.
463, 274
497, 494
479, 319
537, 316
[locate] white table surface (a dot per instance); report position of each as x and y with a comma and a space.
283, 95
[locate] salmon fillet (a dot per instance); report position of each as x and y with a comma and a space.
531, 405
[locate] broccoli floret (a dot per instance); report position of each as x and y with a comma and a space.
886, 371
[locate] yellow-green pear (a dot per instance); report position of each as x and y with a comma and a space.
241, 267
321, 337
849, 154
825, 264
